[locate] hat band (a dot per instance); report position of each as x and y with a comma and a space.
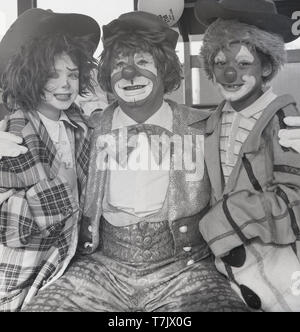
264, 6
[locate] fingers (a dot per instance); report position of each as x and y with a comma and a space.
10, 137
15, 152
293, 121
22, 149
292, 134
290, 138
287, 143
6, 195
9, 143
3, 124
10, 149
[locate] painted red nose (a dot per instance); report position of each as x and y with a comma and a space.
129, 73
230, 75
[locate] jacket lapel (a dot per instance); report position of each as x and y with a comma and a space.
181, 191
48, 162
102, 124
82, 144
212, 152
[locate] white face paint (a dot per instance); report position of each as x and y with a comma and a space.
142, 60
62, 88
142, 84
248, 72
244, 55
220, 57
238, 92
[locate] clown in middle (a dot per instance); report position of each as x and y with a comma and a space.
140, 227
140, 74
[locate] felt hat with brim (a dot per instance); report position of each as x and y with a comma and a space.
132, 21
37, 22
261, 13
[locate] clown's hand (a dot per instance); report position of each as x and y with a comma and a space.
9, 143
290, 138
4, 196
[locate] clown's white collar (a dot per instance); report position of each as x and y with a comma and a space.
163, 117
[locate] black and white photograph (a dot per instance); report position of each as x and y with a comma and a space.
150, 158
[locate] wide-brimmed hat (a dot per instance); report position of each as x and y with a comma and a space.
130, 22
37, 22
261, 13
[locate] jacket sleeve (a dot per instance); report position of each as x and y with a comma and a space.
36, 213
271, 211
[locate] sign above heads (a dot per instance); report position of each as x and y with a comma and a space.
189, 25
169, 10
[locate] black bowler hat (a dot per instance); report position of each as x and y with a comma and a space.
261, 13
129, 22
37, 22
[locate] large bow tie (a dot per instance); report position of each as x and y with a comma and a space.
125, 140
148, 129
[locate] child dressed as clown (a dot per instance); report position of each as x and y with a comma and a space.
253, 227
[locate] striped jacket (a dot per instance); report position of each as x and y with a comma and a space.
39, 223
260, 204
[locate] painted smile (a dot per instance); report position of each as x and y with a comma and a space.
134, 90
134, 87
63, 96
232, 87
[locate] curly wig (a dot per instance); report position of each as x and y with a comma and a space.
27, 73
222, 33
130, 42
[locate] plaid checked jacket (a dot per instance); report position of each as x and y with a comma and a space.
39, 223
253, 228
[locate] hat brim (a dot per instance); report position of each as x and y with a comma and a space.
207, 11
37, 22
132, 21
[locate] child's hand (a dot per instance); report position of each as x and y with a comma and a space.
69, 175
290, 138
9, 143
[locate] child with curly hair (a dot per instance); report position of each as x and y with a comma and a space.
50, 62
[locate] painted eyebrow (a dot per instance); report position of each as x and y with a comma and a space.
145, 55
69, 69
73, 69
244, 57
220, 54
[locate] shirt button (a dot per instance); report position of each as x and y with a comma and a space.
183, 229
90, 228
66, 211
190, 262
147, 241
187, 249
143, 225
